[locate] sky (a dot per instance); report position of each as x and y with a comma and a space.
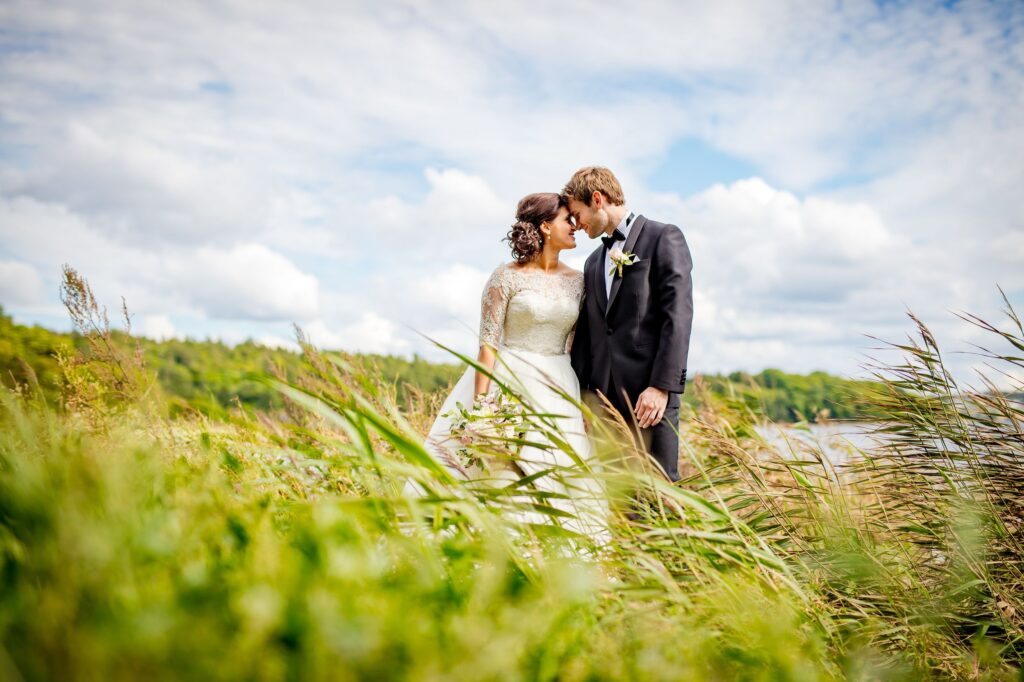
234, 168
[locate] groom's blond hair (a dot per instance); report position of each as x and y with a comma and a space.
586, 181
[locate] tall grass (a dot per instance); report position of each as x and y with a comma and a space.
134, 546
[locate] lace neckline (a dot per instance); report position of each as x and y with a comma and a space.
512, 267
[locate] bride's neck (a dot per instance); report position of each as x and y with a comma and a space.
547, 260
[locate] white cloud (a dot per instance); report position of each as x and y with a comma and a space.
757, 242
783, 280
369, 333
271, 341
227, 163
247, 281
49, 234
460, 217
20, 284
454, 290
158, 327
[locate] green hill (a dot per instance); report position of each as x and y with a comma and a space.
211, 376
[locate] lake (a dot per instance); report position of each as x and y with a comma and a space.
840, 441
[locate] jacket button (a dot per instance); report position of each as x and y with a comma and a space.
610, 330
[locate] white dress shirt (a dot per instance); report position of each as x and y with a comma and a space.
623, 227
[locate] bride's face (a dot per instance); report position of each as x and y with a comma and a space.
560, 230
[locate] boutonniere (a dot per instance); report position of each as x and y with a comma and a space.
620, 259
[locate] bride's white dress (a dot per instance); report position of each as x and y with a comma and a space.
529, 316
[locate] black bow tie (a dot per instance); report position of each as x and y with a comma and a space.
616, 236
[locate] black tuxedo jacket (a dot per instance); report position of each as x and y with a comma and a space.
641, 336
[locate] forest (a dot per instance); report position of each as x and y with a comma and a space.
212, 377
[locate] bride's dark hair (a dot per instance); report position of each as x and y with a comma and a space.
525, 237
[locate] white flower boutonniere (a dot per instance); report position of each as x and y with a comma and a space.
620, 259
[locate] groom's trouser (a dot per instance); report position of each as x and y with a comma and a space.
661, 440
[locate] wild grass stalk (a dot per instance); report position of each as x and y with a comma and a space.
291, 548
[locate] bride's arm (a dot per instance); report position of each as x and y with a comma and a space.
493, 304
486, 357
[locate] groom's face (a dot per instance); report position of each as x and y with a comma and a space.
592, 219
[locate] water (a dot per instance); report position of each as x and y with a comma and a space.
841, 442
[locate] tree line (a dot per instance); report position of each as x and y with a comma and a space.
212, 377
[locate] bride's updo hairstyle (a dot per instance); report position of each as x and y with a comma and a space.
525, 237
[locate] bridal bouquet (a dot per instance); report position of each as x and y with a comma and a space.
493, 420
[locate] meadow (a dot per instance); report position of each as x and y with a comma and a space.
142, 539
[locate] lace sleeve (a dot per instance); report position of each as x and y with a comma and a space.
493, 304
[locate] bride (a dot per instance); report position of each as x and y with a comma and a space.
528, 311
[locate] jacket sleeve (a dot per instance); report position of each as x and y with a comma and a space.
675, 301
579, 353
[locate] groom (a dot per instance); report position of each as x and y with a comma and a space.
633, 332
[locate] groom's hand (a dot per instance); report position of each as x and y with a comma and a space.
650, 406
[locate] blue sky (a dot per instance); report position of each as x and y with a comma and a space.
351, 167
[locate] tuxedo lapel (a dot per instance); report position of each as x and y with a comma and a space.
595, 282
634, 233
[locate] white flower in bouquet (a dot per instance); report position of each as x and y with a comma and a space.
492, 420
